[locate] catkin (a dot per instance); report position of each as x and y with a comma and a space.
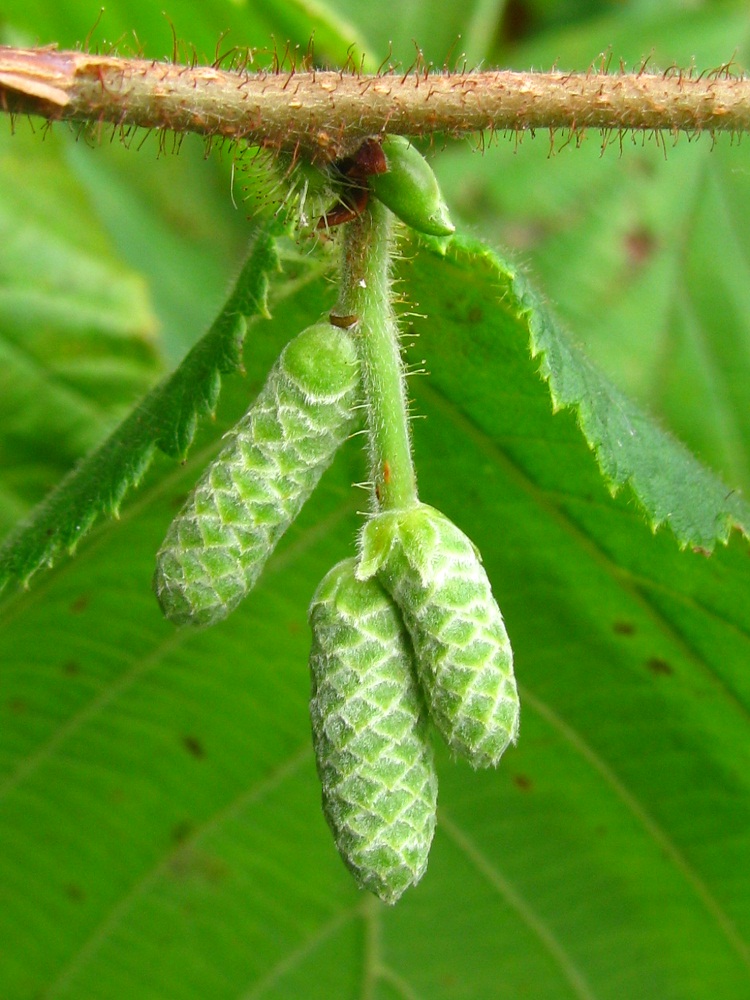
368, 721
217, 545
464, 659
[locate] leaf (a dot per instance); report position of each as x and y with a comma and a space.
77, 332
432, 32
332, 37
165, 419
163, 214
670, 484
640, 243
206, 33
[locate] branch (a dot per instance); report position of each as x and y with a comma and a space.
326, 114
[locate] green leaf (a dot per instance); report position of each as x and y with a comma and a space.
77, 331
668, 482
641, 243
332, 36
209, 30
165, 419
161, 213
440, 34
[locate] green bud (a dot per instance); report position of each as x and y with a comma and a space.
218, 544
374, 760
464, 660
410, 189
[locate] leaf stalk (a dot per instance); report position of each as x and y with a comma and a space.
366, 295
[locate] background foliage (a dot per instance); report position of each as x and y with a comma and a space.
160, 828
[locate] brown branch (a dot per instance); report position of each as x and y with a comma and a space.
326, 114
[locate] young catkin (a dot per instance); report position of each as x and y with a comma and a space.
464, 660
368, 721
218, 544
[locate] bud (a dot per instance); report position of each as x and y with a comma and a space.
410, 189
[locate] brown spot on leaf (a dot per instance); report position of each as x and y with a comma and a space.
71, 668
190, 864
194, 746
640, 244
75, 892
18, 706
657, 665
475, 315
181, 831
624, 628
80, 604
523, 782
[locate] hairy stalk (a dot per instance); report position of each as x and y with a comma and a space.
366, 295
326, 114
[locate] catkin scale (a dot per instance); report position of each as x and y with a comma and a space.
464, 659
369, 732
216, 547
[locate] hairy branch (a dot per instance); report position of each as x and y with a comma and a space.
325, 114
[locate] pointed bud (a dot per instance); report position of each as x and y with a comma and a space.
410, 189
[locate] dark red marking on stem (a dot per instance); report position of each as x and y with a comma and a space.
353, 171
349, 207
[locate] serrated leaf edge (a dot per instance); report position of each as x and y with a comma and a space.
99, 482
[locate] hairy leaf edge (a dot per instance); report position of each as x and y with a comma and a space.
166, 418
556, 353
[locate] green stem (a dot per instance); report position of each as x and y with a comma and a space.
366, 294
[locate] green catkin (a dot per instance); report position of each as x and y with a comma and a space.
464, 659
217, 545
368, 721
